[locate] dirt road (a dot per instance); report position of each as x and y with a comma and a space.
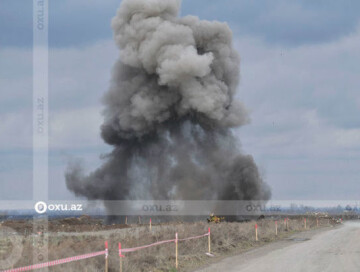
336, 249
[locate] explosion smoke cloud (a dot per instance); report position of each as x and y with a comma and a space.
169, 112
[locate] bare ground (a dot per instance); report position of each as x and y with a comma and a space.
336, 249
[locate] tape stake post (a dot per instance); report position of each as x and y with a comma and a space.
120, 257
317, 222
176, 251
256, 232
106, 256
209, 241
126, 220
276, 228
305, 223
150, 224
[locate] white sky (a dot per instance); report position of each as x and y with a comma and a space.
299, 78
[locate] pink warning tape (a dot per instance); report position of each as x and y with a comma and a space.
142, 247
124, 250
57, 262
195, 237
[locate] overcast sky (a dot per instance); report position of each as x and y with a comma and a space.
300, 67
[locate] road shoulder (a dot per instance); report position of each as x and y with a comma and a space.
264, 249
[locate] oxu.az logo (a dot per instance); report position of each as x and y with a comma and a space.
41, 207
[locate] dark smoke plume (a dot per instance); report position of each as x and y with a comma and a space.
169, 113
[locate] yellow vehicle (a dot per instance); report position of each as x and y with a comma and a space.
215, 219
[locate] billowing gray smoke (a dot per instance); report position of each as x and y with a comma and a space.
169, 113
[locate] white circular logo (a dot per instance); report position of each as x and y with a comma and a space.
10, 247
40, 207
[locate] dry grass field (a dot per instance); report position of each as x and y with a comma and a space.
226, 239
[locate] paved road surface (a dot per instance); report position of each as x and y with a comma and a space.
337, 249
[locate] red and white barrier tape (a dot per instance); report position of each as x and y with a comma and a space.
56, 262
124, 250
99, 253
195, 237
